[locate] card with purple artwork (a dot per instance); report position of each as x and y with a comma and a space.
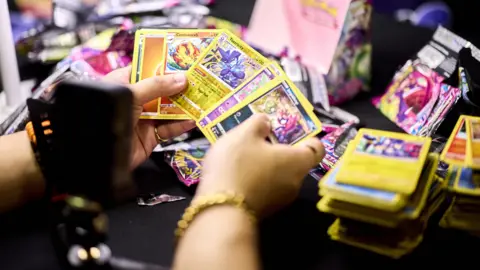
223, 68
259, 80
292, 120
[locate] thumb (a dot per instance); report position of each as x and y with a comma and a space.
310, 152
159, 86
258, 125
119, 76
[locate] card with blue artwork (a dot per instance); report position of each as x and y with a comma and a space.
224, 67
291, 118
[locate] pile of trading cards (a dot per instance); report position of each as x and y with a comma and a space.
462, 153
383, 191
228, 81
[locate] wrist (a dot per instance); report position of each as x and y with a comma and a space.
206, 203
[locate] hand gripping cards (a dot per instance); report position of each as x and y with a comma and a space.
291, 115
160, 52
225, 66
376, 159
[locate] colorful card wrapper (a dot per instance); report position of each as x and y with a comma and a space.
418, 100
308, 24
343, 26
187, 164
335, 144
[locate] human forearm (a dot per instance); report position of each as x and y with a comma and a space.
219, 238
20, 177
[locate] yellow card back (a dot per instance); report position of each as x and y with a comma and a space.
224, 66
385, 160
292, 120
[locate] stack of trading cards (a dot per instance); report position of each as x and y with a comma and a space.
383, 191
228, 81
462, 154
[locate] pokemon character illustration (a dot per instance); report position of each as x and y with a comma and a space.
228, 65
182, 56
289, 128
388, 147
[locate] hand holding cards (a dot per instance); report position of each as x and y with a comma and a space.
383, 190
228, 82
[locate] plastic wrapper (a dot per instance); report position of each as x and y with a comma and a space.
335, 144
350, 71
418, 98
217, 23
153, 199
187, 163
106, 62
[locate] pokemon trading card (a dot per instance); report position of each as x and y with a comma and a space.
384, 160
473, 139
455, 150
171, 51
335, 233
355, 194
292, 120
183, 49
263, 77
225, 66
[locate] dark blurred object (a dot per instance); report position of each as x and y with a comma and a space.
90, 118
390, 6
465, 13
429, 14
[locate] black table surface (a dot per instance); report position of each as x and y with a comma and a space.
295, 238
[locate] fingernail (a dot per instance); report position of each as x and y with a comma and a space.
180, 78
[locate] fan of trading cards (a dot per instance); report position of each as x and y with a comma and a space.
383, 191
228, 82
462, 153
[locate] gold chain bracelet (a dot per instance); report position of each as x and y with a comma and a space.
202, 203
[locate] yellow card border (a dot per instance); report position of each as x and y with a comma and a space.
271, 67
469, 156
146, 32
455, 131
233, 39
262, 91
138, 36
348, 176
